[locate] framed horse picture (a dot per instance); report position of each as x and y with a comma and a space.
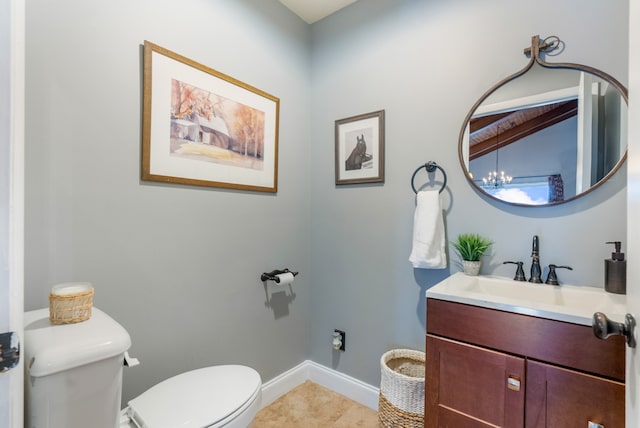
360, 149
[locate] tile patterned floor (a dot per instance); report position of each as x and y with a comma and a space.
313, 406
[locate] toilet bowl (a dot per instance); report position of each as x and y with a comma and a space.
219, 396
73, 379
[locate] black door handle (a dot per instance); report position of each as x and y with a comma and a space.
603, 327
9, 351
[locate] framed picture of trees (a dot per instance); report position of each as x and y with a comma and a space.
204, 128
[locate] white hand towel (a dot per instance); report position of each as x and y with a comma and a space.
428, 232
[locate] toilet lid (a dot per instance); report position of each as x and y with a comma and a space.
196, 399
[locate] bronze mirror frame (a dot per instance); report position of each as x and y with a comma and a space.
539, 46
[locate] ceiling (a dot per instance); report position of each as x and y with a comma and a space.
314, 10
488, 133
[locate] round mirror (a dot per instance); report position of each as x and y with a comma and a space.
548, 134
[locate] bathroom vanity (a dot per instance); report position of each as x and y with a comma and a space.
502, 353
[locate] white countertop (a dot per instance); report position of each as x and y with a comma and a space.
574, 304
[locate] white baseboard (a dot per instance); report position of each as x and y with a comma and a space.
346, 385
283, 383
341, 383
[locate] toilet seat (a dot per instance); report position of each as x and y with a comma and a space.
207, 397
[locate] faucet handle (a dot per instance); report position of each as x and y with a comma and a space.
519, 271
552, 278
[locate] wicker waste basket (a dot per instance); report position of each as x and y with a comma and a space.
401, 402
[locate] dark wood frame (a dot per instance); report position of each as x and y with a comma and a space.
538, 46
211, 175
342, 176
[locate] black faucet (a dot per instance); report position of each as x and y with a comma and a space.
519, 271
536, 272
552, 278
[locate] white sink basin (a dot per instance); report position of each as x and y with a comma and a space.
563, 303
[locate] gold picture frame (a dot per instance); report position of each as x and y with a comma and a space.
204, 128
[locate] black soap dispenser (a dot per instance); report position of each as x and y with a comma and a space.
615, 271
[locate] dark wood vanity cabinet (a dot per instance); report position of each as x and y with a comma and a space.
490, 368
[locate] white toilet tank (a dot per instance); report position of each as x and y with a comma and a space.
73, 372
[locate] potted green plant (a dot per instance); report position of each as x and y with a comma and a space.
471, 247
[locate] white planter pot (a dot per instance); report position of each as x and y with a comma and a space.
471, 267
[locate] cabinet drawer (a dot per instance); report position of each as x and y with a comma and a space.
468, 386
557, 342
564, 398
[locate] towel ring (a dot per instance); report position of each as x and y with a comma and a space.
430, 167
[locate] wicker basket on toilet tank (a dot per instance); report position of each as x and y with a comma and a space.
70, 302
401, 401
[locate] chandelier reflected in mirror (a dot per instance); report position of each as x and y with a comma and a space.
495, 179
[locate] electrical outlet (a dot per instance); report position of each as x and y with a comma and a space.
339, 340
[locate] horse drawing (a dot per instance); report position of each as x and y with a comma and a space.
358, 155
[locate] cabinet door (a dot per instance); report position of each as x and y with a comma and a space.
561, 398
472, 387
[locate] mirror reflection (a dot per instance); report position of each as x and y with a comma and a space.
545, 137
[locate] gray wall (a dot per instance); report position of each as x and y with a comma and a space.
426, 63
179, 266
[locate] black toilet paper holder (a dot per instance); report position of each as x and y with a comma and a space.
273, 275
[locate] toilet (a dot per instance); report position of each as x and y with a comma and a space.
73, 379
